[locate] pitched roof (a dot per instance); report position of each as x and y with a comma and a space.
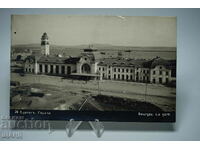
44, 36
30, 58
54, 59
170, 64
72, 60
93, 56
122, 62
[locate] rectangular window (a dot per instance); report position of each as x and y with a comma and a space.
131, 77
127, 77
154, 72
40, 68
46, 69
114, 69
122, 70
99, 68
167, 80
114, 76
167, 73
63, 69
51, 69
118, 76
122, 77
126, 70
160, 72
118, 69
57, 69
109, 71
154, 80
68, 70
160, 80
131, 70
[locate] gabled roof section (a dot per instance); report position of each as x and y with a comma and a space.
93, 56
54, 59
169, 64
121, 62
72, 60
140, 63
30, 59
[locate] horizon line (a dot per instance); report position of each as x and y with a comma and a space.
94, 44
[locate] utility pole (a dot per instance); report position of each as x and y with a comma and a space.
145, 91
98, 82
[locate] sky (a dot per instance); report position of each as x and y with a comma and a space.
78, 30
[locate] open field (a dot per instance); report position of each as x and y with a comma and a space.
67, 94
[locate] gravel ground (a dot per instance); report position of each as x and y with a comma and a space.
67, 94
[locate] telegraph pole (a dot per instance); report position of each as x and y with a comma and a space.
98, 82
145, 91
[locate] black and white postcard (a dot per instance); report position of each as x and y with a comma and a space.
111, 68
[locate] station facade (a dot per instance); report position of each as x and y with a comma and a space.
92, 65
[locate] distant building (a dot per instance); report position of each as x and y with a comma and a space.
92, 65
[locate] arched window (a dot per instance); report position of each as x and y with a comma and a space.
85, 68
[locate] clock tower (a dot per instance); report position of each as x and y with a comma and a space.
45, 44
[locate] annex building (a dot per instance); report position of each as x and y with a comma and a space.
92, 65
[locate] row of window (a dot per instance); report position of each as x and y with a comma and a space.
145, 71
117, 69
130, 77
161, 72
160, 80
126, 77
131, 70
29, 70
51, 69
119, 77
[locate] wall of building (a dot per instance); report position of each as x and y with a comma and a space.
160, 75
46, 68
45, 49
85, 60
144, 75
116, 73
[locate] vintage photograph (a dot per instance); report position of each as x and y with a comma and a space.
93, 63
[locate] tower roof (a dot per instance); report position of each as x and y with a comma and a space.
44, 36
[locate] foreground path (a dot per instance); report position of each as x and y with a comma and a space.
163, 97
